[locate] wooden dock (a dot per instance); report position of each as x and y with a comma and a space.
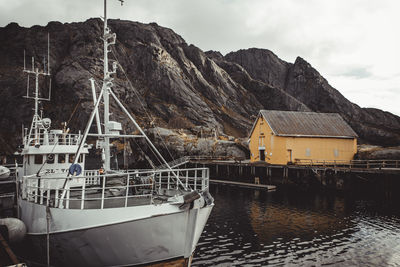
257, 186
360, 175
358, 166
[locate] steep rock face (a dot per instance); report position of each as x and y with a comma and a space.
269, 96
306, 85
165, 81
263, 65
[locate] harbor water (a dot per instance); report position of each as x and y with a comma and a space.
290, 227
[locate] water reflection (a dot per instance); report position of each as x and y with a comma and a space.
254, 228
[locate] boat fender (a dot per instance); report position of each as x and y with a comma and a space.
208, 199
4, 172
199, 203
188, 199
16, 229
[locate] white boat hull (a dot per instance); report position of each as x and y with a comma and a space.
116, 240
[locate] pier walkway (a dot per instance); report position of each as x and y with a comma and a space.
257, 186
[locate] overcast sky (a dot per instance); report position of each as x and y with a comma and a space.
355, 44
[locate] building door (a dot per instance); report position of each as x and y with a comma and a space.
261, 147
262, 154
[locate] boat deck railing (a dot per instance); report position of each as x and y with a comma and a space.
52, 139
96, 191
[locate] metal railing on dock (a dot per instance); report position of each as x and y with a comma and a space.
215, 158
350, 164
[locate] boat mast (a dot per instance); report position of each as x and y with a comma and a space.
109, 39
109, 132
35, 71
107, 83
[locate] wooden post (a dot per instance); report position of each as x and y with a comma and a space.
285, 174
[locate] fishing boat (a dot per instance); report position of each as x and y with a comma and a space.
105, 216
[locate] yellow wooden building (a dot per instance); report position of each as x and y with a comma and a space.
282, 137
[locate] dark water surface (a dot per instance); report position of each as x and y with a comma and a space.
291, 228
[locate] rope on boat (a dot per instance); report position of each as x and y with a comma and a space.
73, 112
48, 235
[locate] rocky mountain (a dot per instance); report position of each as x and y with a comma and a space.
168, 83
304, 83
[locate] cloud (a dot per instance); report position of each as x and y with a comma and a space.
353, 43
361, 72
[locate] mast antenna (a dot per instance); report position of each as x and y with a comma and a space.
48, 54
36, 73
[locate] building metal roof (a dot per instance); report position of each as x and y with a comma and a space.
307, 124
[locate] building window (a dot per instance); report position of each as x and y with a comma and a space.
308, 152
261, 142
71, 158
38, 159
61, 158
336, 153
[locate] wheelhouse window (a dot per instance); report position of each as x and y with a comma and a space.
80, 160
50, 159
38, 159
71, 158
61, 158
